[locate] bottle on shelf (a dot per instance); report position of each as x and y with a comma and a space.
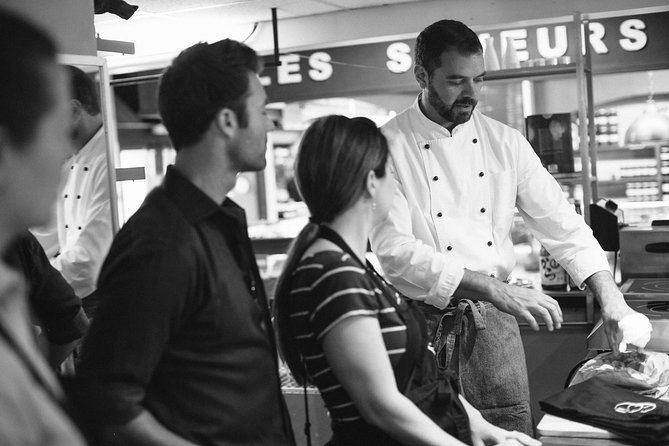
510, 56
490, 55
553, 276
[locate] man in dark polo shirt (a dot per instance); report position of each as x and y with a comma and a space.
181, 349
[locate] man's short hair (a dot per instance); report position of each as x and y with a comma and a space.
442, 36
84, 90
25, 95
201, 81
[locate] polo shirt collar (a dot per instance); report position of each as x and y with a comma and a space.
193, 202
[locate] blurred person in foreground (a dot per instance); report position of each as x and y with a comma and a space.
345, 329
181, 350
447, 241
33, 145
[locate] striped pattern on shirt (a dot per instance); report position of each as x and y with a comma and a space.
329, 288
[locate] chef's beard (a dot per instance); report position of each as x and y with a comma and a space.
451, 114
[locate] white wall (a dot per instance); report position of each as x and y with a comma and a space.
70, 22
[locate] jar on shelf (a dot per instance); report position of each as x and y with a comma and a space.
553, 276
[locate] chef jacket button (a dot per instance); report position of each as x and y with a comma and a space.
449, 248
489, 243
65, 196
492, 275
439, 214
482, 210
426, 146
435, 178
71, 167
79, 228
85, 169
66, 226
475, 140
481, 174
78, 197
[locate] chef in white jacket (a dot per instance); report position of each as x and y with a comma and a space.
447, 241
83, 227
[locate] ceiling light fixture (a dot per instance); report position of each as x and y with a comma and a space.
652, 126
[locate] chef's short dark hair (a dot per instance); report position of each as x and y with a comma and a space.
441, 36
201, 81
84, 90
25, 93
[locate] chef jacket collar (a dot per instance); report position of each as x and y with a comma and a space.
431, 126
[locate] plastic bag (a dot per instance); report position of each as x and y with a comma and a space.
646, 373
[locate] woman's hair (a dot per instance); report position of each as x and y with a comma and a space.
334, 158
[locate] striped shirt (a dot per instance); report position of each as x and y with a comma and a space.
328, 288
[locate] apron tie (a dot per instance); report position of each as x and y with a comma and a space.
444, 346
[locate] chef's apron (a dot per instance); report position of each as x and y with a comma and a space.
482, 347
416, 374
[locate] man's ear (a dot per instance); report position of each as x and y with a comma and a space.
420, 73
5, 147
76, 109
227, 123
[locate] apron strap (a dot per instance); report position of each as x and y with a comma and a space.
445, 339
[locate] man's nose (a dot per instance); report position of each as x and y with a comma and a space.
269, 124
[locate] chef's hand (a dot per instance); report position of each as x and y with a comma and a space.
622, 325
529, 305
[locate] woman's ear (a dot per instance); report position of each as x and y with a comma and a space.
370, 184
226, 122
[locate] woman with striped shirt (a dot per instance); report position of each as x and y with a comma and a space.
342, 327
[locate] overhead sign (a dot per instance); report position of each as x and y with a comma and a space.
631, 43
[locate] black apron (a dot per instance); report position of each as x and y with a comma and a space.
416, 373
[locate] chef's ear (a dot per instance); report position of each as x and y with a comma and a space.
420, 73
227, 122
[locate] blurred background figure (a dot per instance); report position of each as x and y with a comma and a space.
81, 235
33, 143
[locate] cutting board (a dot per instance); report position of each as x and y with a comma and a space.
552, 426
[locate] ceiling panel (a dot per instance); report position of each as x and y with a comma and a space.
162, 26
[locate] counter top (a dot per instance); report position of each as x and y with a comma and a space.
553, 430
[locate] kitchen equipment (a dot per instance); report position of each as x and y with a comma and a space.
649, 296
644, 252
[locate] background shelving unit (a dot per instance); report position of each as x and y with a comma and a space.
581, 70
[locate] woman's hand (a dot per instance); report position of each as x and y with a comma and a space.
484, 434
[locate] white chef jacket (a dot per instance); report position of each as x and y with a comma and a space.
454, 207
83, 215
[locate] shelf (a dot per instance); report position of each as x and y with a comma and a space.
571, 178
640, 179
622, 153
530, 72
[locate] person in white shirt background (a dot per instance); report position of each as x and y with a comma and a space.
447, 240
83, 226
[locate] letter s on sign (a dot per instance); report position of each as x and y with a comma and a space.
636, 39
399, 57
321, 68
